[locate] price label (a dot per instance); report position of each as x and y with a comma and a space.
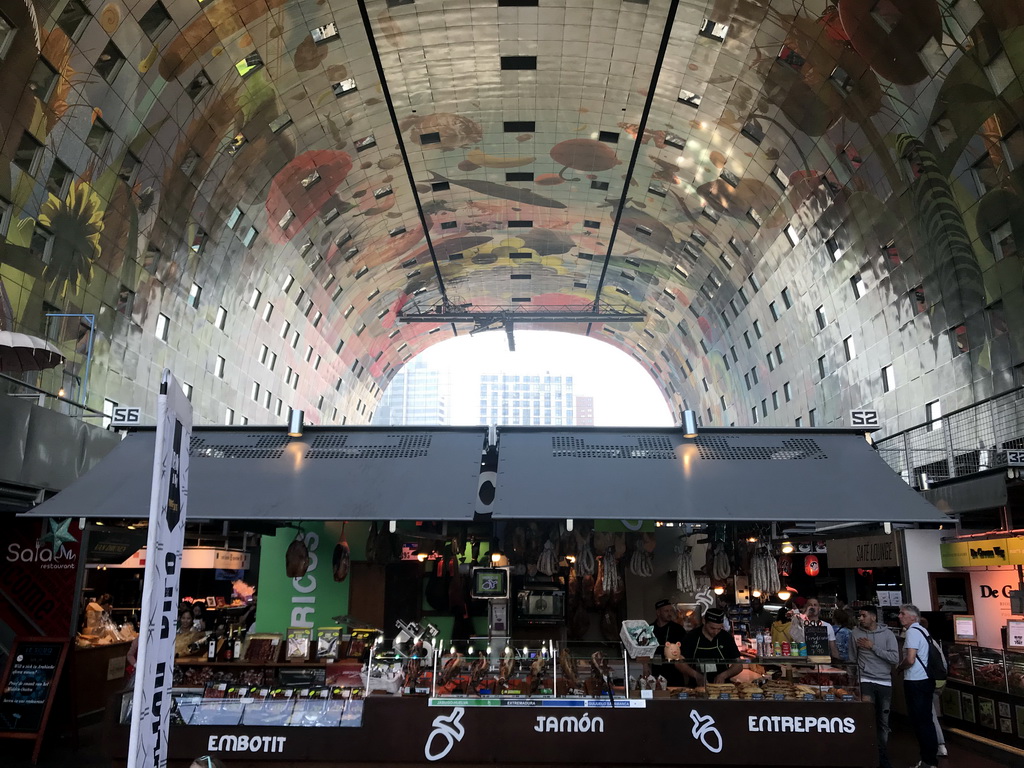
1015, 635
684, 695
758, 697
779, 697
830, 697
847, 697
808, 697
725, 695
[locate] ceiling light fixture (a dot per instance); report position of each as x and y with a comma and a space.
787, 547
295, 423
689, 423
784, 594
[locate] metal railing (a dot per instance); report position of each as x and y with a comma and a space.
959, 444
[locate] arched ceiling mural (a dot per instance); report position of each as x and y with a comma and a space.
783, 210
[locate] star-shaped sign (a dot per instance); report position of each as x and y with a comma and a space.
59, 534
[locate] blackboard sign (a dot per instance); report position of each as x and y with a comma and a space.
816, 638
29, 685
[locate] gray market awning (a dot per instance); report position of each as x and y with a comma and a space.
354, 473
721, 475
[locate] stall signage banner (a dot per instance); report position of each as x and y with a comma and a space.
308, 601
28, 685
151, 703
864, 552
982, 552
817, 641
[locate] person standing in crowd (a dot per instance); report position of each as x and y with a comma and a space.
199, 616
876, 652
841, 628
918, 688
711, 650
812, 618
666, 630
781, 626
760, 617
936, 709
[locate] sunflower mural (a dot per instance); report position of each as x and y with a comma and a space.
76, 223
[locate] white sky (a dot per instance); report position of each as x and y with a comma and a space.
624, 393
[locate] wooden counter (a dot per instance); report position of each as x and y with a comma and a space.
98, 672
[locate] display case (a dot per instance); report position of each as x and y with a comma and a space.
1015, 673
989, 669
958, 660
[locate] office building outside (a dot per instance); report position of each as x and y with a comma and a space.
584, 411
418, 395
538, 399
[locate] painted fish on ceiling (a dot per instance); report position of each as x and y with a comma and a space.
493, 189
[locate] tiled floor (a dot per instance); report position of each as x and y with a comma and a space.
963, 753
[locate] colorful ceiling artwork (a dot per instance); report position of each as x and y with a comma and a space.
789, 197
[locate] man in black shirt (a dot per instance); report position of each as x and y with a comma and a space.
713, 652
666, 630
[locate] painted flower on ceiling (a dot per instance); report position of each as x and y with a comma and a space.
77, 224
304, 187
444, 131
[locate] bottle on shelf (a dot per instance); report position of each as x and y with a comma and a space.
211, 647
229, 645
238, 644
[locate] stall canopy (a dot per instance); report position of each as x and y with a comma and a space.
355, 473
720, 475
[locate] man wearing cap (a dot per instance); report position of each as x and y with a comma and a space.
714, 652
667, 630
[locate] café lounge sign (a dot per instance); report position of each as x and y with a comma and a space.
982, 552
864, 552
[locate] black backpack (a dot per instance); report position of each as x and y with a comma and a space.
936, 666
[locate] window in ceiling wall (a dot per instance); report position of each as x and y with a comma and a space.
221, 319
255, 393
725, 319
790, 57
841, 79
42, 79
254, 298
285, 329
713, 30
833, 250
163, 323
234, 217
510, 63
658, 190
1003, 243
787, 300
72, 17
189, 164
730, 178
888, 378
519, 126
780, 177
396, 231
709, 213
599, 185
752, 130
755, 217
1000, 72
933, 415
296, 337
849, 348
944, 131
787, 391
891, 254
682, 273
609, 137
58, 180
281, 122
155, 20
199, 240
41, 244
792, 235
798, 421
770, 358
246, 66
229, 416
129, 169
109, 63
199, 85
746, 380
268, 311
996, 318
918, 300
324, 33
193, 295
812, 417
851, 157
822, 367
753, 414
125, 301
383, 191
29, 154
689, 98
819, 315
753, 375
960, 342
857, 285
250, 237
7, 34
235, 144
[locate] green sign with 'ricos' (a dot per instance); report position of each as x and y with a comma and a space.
307, 601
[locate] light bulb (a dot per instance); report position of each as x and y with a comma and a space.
756, 593
488, 650
787, 547
421, 556
784, 594
719, 590
471, 650
393, 526
495, 557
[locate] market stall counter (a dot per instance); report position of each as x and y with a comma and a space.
478, 731
984, 693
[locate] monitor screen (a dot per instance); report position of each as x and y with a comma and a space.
490, 583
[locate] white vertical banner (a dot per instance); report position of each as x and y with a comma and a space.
151, 703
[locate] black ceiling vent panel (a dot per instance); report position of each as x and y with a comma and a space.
520, 126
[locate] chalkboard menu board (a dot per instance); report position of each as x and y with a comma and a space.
816, 638
29, 685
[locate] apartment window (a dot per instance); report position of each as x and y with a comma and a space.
849, 348
754, 282
775, 400
249, 64
778, 353
28, 153
787, 391
268, 310
187, 389
155, 20
757, 328
704, 382
958, 338
892, 254
296, 336
41, 79
746, 339
918, 300
753, 414
285, 328
250, 237
786, 300
222, 316
125, 300
279, 408
819, 314
254, 298
71, 18
753, 374
41, 245
773, 308
287, 283
746, 380
857, 284
162, 324
735, 357
98, 136
267, 397
229, 416
822, 370
193, 295
110, 62
1003, 244
264, 351
792, 235
199, 85
812, 418
199, 240
933, 415
888, 379
771, 361
832, 248
273, 361
256, 391
218, 367
59, 180
798, 421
